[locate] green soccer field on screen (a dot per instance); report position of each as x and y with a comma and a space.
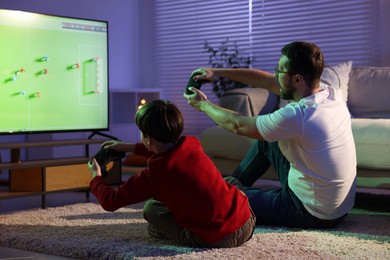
53, 74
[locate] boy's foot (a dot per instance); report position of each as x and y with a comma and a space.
155, 232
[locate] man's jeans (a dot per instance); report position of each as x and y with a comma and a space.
278, 206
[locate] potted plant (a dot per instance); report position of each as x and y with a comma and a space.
227, 55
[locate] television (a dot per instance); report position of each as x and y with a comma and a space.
53, 73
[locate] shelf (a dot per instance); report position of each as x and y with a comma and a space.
40, 177
123, 107
50, 143
43, 163
124, 103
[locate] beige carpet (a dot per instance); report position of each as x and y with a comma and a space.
86, 231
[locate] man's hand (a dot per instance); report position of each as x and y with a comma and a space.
94, 168
207, 75
196, 99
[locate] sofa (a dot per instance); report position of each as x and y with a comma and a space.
366, 91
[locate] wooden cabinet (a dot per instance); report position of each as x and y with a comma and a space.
52, 174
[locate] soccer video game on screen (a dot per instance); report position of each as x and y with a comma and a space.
53, 73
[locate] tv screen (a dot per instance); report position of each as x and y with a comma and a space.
53, 73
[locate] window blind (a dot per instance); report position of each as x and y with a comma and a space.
344, 30
181, 29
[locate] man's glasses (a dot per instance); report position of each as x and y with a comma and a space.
278, 71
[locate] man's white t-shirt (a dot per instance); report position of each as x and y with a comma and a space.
315, 136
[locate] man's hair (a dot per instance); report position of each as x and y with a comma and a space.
161, 120
305, 59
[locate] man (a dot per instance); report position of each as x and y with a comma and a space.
309, 142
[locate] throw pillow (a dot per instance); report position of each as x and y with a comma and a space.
337, 76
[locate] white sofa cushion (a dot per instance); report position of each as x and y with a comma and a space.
368, 94
372, 140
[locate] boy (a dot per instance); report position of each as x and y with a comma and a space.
188, 200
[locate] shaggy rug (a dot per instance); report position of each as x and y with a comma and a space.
86, 231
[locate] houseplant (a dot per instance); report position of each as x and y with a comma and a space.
227, 55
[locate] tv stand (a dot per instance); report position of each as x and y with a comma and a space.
40, 177
102, 134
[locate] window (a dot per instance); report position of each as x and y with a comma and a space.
344, 30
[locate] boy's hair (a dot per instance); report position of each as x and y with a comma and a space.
305, 59
161, 120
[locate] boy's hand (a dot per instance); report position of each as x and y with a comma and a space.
94, 168
118, 146
112, 144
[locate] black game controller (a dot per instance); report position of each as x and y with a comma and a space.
194, 83
104, 156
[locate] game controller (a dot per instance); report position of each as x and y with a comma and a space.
194, 83
104, 156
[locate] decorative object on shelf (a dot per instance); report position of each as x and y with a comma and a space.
227, 55
141, 102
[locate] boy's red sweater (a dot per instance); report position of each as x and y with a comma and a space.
187, 182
